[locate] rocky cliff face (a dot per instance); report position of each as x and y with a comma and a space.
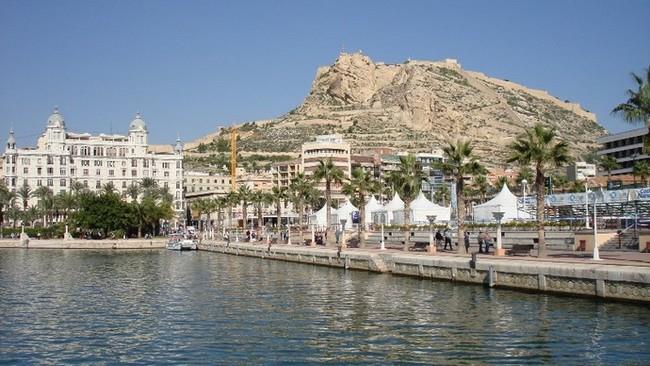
417, 106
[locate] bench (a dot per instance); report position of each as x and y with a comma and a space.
520, 249
419, 246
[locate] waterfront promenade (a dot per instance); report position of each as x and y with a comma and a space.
155, 243
618, 278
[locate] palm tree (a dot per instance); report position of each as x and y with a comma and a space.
66, 201
500, 182
608, 163
108, 189
200, 207
330, 173
300, 189
25, 193
560, 181
279, 195
482, 186
637, 107
539, 146
459, 162
232, 200
442, 195
45, 202
7, 199
525, 173
360, 185
133, 191
244, 194
260, 199
642, 170
408, 180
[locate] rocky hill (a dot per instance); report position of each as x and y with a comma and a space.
417, 106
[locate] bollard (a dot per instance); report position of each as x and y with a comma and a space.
472, 262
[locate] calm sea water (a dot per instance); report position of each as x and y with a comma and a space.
163, 307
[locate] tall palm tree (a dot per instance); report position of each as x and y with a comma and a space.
133, 191
45, 202
482, 186
108, 189
442, 195
360, 186
300, 190
7, 199
279, 195
637, 107
539, 146
408, 181
642, 170
608, 163
459, 162
66, 201
199, 207
260, 200
244, 194
331, 174
232, 200
25, 193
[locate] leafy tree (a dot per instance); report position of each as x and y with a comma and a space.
641, 169
442, 195
500, 182
25, 193
45, 202
105, 212
460, 162
279, 195
539, 146
482, 186
331, 174
244, 194
300, 189
232, 200
7, 200
608, 163
360, 186
260, 200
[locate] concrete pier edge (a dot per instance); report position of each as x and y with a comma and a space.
610, 282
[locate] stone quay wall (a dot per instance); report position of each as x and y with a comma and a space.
619, 282
85, 244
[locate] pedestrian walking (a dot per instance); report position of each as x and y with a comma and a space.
447, 238
487, 242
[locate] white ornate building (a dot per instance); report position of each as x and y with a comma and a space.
61, 158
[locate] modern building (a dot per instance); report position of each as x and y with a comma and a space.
327, 147
62, 157
626, 147
256, 182
434, 178
580, 171
284, 172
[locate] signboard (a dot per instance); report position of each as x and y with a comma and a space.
355, 217
602, 196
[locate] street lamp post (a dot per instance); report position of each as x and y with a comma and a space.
381, 241
343, 245
586, 205
432, 245
524, 182
596, 256
498, 215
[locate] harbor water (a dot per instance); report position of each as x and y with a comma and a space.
164, 307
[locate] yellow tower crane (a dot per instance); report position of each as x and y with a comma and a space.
233, 158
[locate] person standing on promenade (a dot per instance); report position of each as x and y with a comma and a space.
487, 242
447, 238
466, 242
438, 238
481, 240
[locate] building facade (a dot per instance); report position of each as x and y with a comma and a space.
626, 147
62, 158
580, 171
284, 172
327, 147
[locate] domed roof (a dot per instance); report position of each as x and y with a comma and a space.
56, 119
179, 146
138, 123
11, 139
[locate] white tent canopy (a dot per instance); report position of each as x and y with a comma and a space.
504, 201
345, 212
421, 207
396, 205
319, 218
372, 206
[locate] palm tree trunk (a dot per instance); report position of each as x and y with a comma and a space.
300, 216
539, 181
328, 210
407, 224
460, 208
362, 225
260, 218
278, 215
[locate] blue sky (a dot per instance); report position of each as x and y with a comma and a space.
190, 66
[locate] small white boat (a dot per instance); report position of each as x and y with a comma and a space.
179, 242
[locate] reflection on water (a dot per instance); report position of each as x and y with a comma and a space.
204, 308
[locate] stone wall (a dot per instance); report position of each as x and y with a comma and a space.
583, 279
86, 244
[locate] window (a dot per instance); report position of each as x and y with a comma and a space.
39, 182
98, 172
85, 171
178, 164
166, 185
86, 183
25, 170
39, 171
145, 173
50, 171
63, 160
50, 160
110, 163
72, 171
178, 195
98, 163
50, 182
24, 161
134, 163
62, 183
155, 173
124, 172
111, 173
62, 171
134, 173
84, 151
123, 184
166, 174
85, 163
98, 184
178, 185
145, 163
165, 165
